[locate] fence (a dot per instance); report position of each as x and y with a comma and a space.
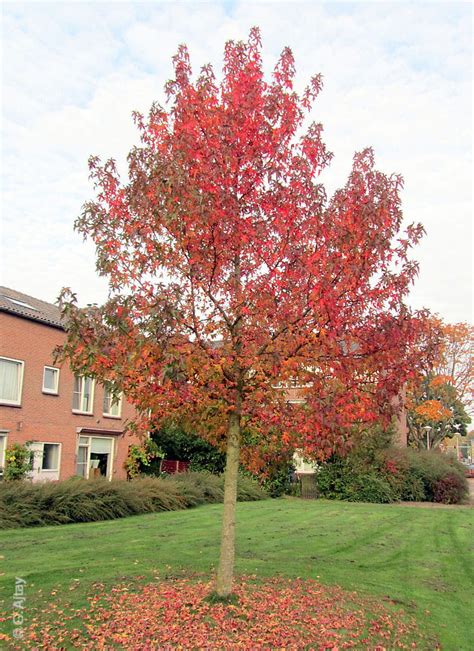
172, 467
308, 486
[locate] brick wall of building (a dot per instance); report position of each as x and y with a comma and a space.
49, 418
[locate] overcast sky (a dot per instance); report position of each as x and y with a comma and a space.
397, 76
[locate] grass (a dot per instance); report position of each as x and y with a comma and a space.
418, 557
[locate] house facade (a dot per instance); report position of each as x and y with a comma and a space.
73, 425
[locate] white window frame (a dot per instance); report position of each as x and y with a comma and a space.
82, 411
21, 363
89, 438
109, 414
51, 392
59, 445
88, 454
4, 436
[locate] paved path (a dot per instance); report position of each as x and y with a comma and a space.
470, 481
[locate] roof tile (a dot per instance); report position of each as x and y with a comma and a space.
29, 307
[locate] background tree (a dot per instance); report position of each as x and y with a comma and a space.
231, 273
441, 396
455, 359
434, 411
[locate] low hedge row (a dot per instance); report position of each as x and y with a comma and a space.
23, 504
394, 475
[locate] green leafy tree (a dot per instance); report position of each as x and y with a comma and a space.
181, 445
435, 412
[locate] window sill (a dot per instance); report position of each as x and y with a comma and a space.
82, 413
49, 470
50, 393
112, 417
4, 403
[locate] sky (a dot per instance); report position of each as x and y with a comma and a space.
397, 77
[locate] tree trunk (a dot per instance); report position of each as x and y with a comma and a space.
225, 572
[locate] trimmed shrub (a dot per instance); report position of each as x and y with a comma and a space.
370, 487
334, 478
249, 490
393, 474
342, 480
416, 475
23, 504
200, 487
206, 488
449, 489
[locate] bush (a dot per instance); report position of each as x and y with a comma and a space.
370, 487
249, 490
140, 457
342, 480
449, 489
334, 478
277, 480
200, 487
392, 474
18, 462
25, 504
178, 444
416, 475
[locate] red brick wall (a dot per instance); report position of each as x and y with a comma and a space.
49, 418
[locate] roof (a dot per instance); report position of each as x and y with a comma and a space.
28, 307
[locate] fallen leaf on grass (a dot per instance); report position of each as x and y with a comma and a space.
271, 614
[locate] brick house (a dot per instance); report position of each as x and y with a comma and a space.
304, 467
73, 424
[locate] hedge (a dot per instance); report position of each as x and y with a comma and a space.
24, 504
393, 475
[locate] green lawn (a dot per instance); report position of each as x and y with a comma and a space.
420, 557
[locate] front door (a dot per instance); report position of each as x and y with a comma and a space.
95, 457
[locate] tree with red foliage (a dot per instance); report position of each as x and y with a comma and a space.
232, 274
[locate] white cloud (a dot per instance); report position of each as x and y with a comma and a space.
397, 76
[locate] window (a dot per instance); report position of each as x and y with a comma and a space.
83, 396
46, 460
94, 456
83, 457
112, 403
50, 459
15, 301
11, 381
50, 380
3, 445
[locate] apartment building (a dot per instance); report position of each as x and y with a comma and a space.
74, 425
